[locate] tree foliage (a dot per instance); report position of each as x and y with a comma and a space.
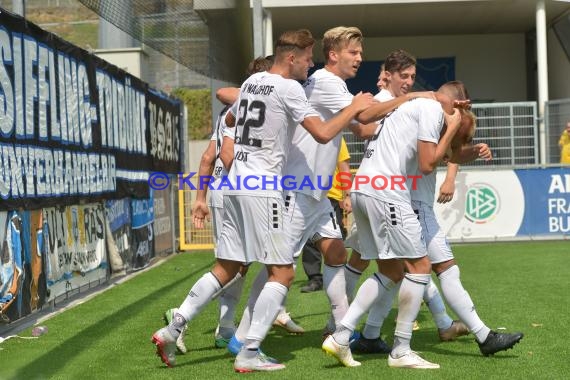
199, 104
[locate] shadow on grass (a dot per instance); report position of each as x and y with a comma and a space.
49, 364
285, 346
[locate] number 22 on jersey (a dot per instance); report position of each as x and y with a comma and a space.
251, 116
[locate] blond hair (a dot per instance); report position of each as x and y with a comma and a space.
455, 89
337, 38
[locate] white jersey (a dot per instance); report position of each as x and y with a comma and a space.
426, 187
383, 96
216, 196
267, 113
328, 95
425, 191
391, 155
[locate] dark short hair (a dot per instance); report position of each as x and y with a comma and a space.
259, 64
399, 60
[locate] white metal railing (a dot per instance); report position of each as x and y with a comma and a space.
556, 115
510, 129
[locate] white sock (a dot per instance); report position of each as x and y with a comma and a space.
436, 306
378, 313
199, 296
266, 308
411, 293
351, 276
228, 303
374, 287
245, 322
335, 288
460, 302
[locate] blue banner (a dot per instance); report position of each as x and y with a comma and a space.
547, 201
118, 213
142, 212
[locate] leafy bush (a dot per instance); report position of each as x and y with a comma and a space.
199, 105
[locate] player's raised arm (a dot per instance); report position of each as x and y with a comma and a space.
430, 153
378, 110
227, 95
323, 132
364, 131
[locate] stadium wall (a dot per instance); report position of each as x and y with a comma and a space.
471, 54
79, 139
558, 69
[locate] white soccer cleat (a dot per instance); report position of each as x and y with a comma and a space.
168, 316
411, 360
284, 320
341, 352
165, 346
259, 362
180, 341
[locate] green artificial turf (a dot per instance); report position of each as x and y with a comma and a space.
517, 286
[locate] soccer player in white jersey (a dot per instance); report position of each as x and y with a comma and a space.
310, 215
397, 77
407, 141
271, 105
210, 173
439, 251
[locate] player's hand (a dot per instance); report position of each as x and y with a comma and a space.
200, 212
452, 121
362, 101
446, 191
484, 151
463, 104
346, 204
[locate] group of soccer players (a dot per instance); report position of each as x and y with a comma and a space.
278, 127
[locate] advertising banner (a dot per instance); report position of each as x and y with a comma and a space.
119, 218
12, 265
75, 238
22, 277
162, 222
499, 204
547, 201
74, 127
142, 217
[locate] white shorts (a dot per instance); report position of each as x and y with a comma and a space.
216, 198
308, 219
252, 230
351, 240
387, 230
438, 248
217, 222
